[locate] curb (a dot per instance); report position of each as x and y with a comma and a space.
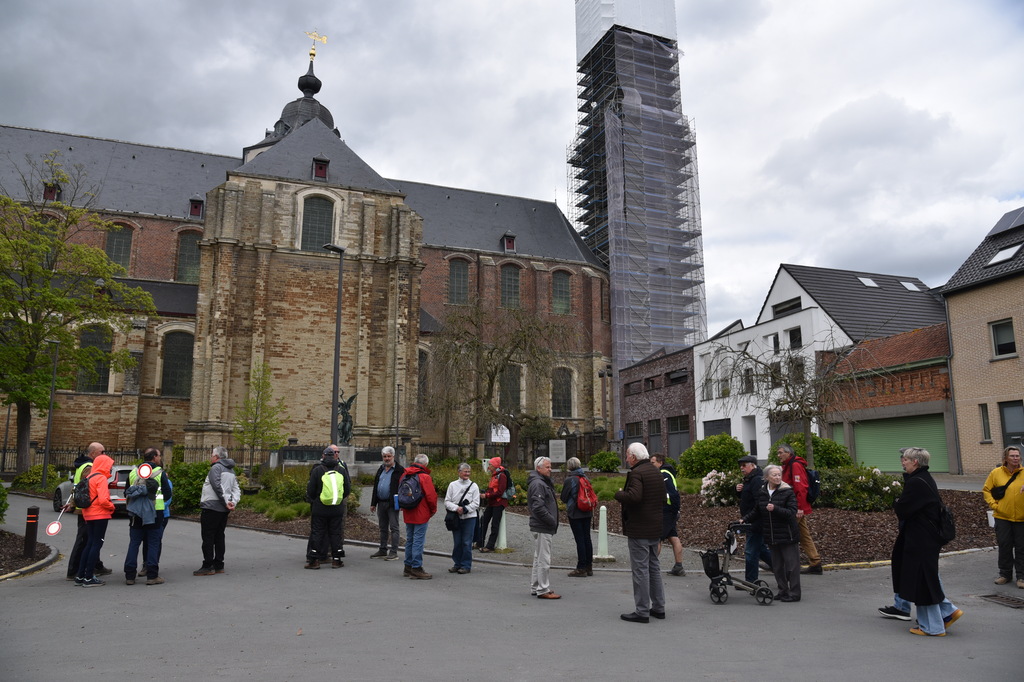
43, 563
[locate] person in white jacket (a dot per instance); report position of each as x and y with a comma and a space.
463, 498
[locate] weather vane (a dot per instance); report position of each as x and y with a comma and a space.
316, 38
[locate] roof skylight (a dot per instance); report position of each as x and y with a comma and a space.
1005, 254
867, 281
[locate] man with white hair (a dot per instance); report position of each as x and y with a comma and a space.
382, 501
642, 499
542, 503
219, 496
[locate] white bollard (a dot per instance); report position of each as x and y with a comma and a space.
502, 542
602, 537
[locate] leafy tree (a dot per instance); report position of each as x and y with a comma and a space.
259, 422
53, 285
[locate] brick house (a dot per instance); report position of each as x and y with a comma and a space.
985, 303
658, 402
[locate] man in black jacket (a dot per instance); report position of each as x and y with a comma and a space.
328, 487
382, 501
642, 498
755, 547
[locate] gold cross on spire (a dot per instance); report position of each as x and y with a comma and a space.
316, 38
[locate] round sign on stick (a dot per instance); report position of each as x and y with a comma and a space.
53, 528
145, 470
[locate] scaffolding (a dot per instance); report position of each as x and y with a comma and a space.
633, 173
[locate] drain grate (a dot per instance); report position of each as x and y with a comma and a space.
1005, 600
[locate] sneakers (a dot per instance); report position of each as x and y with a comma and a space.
313, 564
379, 554
391, 556
893, 612
453, 569
337, 563
92, 582
418, 573
78, 581
952, 618
919, 631
463, 571
677, 570
578, 573
155, 581
203, 571
812, 570
1002, 580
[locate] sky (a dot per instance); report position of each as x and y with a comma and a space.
873, 135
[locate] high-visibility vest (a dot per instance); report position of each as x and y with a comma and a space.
133, 478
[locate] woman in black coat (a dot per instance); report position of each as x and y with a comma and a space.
915, 554
775, 512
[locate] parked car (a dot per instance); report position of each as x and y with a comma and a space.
117, 483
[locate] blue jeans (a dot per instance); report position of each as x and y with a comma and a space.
755, 550
930, 617
415, 535
95, 530
149, 537
584, 543
462, 549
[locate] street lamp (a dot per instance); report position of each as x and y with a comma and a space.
49, 412
337, 342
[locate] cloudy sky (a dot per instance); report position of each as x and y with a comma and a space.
877, 135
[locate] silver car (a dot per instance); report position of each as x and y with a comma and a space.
117, 483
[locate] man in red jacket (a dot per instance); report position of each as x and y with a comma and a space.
417, 518
794, 472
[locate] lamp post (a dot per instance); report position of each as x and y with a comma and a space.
49, 412
337, 342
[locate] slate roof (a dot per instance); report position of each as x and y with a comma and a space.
865, 312
132, 178
467, 219
170, 298
976, 270
292, 157
918, 345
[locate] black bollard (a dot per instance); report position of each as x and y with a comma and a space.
31, 531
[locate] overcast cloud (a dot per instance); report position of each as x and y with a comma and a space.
879, 135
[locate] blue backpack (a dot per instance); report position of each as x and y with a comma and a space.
410, 492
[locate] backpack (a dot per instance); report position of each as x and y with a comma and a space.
410, 492
332, 490
81, 496
510, 487
586, 500
947, 524
813, 485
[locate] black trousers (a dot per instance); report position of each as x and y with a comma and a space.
76, 551
212, 524
325, 537
491, 515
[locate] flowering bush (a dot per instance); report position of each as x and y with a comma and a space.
718, 488
858, 488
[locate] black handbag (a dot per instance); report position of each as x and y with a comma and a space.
999, 492
452, 519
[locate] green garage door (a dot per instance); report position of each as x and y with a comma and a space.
878, 441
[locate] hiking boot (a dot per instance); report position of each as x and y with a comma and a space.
1002, 580
155, 581
677, 570
463, 571
103, 570
812, 570
203, 571
419, 574
93, 582
313, 564
453, 569
578, 573
379, 554
129, 581
893, 612
407, 571
219, 570
337, 563
391, 556
590, 571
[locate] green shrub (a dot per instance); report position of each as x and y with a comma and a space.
605, 461
187, 479
288, 486
32, 479
718, 488
3, 502
714, 453
606, 486
282, 514
688, 486
858, 488
828, 454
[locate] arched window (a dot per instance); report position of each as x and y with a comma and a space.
458, 281
509, 391
176, 377
561, 293
119, 245
561, 393
98, 379
317, 223
510, 286
188, 258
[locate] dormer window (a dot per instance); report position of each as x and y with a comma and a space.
51, 192
508, 242
195, 207
320, 165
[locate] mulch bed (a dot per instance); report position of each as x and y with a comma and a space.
12, 552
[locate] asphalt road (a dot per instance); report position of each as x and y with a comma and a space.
268, 619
